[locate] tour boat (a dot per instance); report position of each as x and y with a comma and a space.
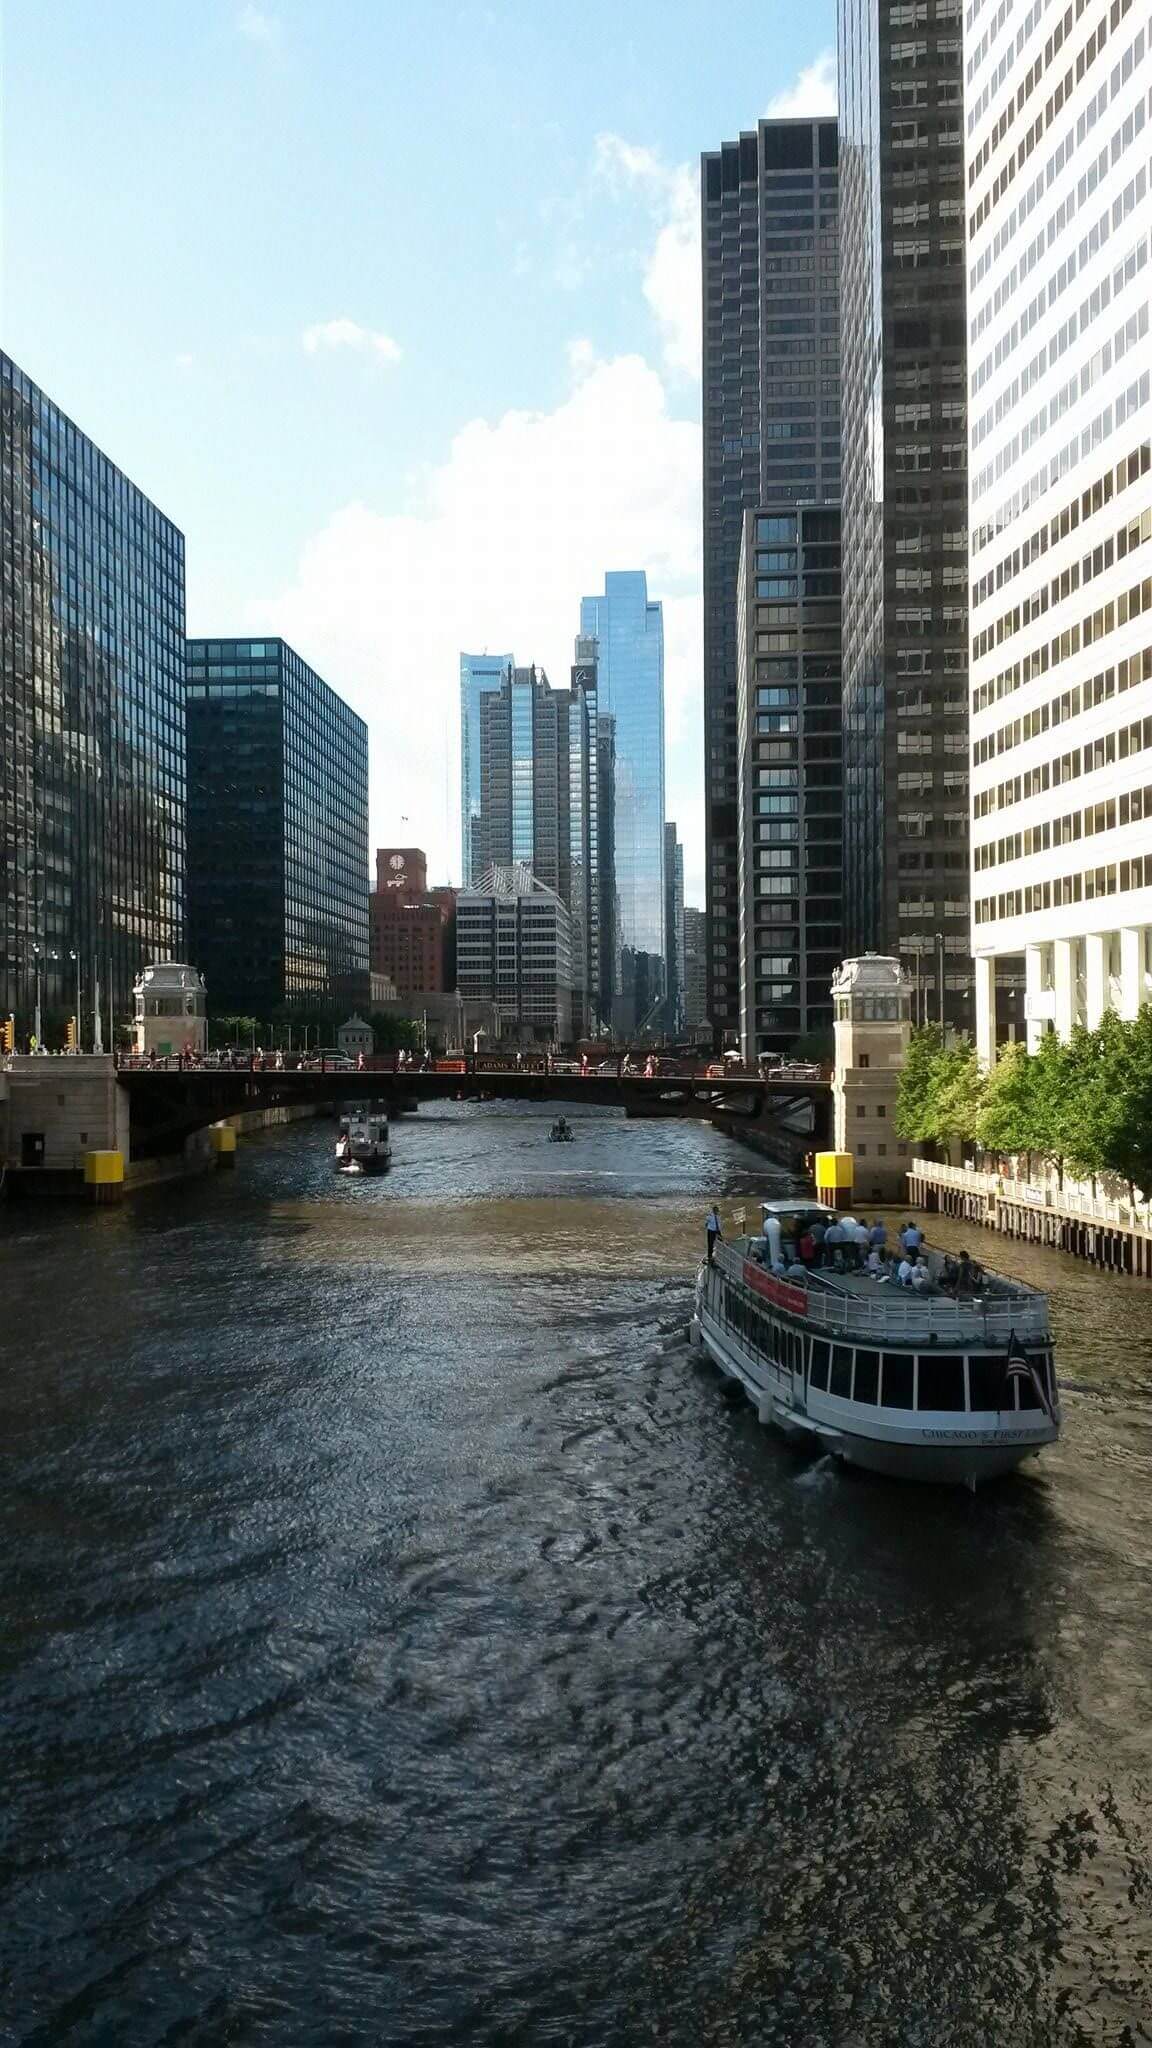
916, 1385
364, 1147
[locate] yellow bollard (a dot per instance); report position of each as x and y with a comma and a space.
834, 1179
223, 1139
104, 1175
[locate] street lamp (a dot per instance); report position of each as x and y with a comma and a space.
36, 1023
74, 956
940, 977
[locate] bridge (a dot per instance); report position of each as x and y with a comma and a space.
169, 1101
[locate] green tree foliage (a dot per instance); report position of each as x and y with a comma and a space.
912, 1115
1007, 1113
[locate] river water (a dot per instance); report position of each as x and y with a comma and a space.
406, 1642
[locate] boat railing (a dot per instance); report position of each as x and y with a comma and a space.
883, 1310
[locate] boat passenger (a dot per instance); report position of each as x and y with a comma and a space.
904, 1271
911, 1238
807, 1248
860, 1240
878, 1235
834, 1242
712, 1230
969, 1275
876, 1263
921, 1277
949, 1275
816, 1233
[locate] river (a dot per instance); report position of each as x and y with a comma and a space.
406, 1642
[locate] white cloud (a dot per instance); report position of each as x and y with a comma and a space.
184, 362
344, 333
495, 550
812, 91
257, 26
672, 263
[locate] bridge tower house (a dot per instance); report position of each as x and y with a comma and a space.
872, 1006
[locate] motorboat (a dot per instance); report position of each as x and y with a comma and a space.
364, 1146
922, 1383
561, 1132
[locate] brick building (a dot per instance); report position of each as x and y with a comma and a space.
411, 927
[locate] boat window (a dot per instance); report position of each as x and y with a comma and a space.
941, 1382
841, 1380
818, 1377
989, 1385
866, 1385
896, 1385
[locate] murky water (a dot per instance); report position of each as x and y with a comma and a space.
406, 1642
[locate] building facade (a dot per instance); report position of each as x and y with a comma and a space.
92, 741
789, 724
539, 802
673, 932
514, 950
771, 402
478, 673
1059, 160
277, 832
626, 631
902, 296
411, 928
696, 1019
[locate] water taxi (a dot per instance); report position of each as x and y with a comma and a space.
915, 1384
364, 1145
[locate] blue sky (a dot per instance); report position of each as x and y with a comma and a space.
393, 308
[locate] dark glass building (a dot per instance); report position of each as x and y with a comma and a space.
539, 803
92, 736
277, 832
771, 368
905, 511
790, 727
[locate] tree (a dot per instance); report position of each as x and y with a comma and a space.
1119, 1099
1006, 1123
912, 1116
957, 1093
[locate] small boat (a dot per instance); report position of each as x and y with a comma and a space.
364, 1147
928, 1385
561, 1132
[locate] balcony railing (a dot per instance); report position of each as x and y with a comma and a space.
888, 1313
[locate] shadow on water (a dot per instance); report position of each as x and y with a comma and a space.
407, 1642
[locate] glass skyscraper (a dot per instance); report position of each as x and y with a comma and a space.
92, 707
905, 499
628, 631
478, 673
539, 803
277, 832
771, 369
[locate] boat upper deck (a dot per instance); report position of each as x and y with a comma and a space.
853, 1304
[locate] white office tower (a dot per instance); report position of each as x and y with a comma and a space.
1059, 143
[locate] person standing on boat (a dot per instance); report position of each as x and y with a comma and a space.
834, 1240
861, 1238
712, 1230
878, 1236
911, 1238
816, 1233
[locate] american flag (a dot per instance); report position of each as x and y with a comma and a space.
1018, 1366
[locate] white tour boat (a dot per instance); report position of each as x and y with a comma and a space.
916, 1385
364, 1145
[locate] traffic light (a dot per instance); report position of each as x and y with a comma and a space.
8, 1034
71, 1039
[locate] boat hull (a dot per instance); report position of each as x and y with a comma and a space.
968, 1458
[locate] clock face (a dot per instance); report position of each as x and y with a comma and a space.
397, 861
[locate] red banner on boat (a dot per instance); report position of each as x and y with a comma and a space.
782, 1292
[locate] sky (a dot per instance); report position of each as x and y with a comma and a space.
393, 306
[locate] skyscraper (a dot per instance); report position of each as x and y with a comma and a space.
478, 673
771, 430
789, 722
91, 720
539, 805
673, 931
628, 631
902, 292
695, 971
277, 831
1060, 489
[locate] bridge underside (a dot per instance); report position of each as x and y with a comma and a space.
168, 1107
